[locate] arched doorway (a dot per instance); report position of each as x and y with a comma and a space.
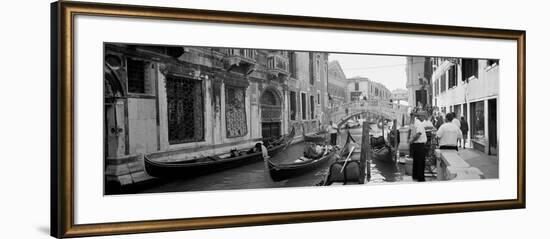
114, 98
271, 111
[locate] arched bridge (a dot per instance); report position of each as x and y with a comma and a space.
369, 109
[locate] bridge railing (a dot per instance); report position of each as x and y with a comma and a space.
382, 108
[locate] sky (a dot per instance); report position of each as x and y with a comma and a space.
388, 70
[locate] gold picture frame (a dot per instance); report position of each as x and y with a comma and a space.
62, 128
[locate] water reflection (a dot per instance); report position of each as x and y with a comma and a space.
256, 175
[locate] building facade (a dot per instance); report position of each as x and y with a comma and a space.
469, 87
337, 85
362, 88
189, 102
419, 75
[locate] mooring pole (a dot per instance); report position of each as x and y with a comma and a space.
395, 140
364, 159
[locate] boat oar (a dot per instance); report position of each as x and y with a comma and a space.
286, 145
290, 137
347, 159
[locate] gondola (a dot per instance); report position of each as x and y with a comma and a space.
210, 164
345, 169
381, 150
351, 124
318, 138
300, 166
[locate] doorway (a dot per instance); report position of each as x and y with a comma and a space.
271, 110
493, 133
421, 97
271, 129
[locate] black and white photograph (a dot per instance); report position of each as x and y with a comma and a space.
204, 118
274, 119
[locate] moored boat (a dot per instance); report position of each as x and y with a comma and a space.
214, 163
301, 165
351, 124
319, 137
381, 150
345, 170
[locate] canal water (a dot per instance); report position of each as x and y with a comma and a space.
256, 175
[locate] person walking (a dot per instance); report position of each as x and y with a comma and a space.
439, 121
333, 131
449, 134
428, 124
418, 141
464, 128
455, 120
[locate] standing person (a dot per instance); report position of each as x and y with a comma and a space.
333, 131
439, 121
418, 142
464, 128
449, 134
260, 147
455, 120
428, 124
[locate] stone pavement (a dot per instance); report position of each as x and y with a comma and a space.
488, 164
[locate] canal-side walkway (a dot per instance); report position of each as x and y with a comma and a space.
488, 164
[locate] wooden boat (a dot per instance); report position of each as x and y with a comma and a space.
210, 164
345, 169
302, 165
381, 150
318, 138
351, 124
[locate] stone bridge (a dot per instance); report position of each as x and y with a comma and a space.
369, 109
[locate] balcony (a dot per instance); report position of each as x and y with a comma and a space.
277, 65
240, 60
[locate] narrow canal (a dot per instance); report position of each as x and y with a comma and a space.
256, 175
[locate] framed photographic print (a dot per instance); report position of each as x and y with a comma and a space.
173, 119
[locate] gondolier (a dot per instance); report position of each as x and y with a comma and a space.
263, 149
418, 141
333, 131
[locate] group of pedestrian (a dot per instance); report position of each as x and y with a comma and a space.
462, 125
451, 134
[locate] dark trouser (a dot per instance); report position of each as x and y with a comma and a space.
333, 137
448, 147
419, 157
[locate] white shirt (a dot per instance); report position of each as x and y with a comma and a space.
332, 129
427, 124
419, 128
456, 122
448, 134
265, 154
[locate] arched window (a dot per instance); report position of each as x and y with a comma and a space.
269, 98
